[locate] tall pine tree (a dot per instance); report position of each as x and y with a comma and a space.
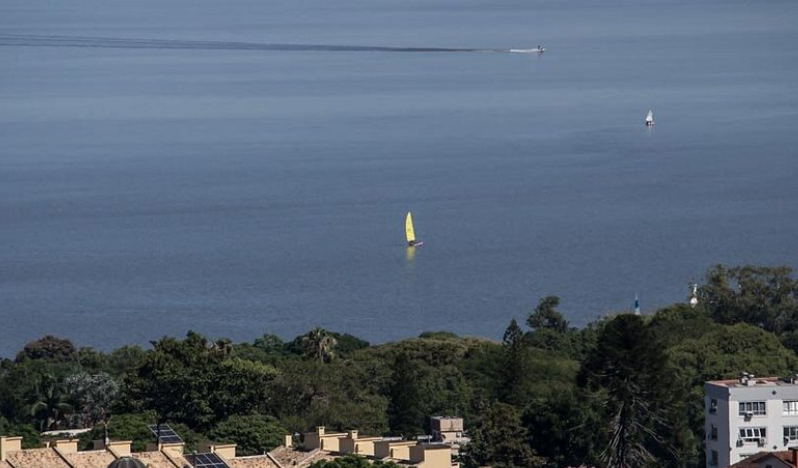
514, 366
629, 372
500, 441
405, 415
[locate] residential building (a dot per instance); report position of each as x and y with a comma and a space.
323, 440
357, 445
65, 454
448, 429
319, 445
749, 415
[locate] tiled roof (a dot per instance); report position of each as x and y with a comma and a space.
157, 460
90, 459
297, 458
36, 458
754, 461
257, 461
49, 458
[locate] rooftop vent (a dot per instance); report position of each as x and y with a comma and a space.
747, 379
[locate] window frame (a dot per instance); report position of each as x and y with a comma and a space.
757, 433
756, 408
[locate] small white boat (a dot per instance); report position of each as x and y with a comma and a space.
649, 119
536, 50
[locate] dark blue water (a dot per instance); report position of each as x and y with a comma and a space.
243, 190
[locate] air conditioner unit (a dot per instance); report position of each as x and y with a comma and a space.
748, 414
740, 442
760, 442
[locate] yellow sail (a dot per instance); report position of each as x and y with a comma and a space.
411, 235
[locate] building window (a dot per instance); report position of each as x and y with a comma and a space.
755, 408
753, 434
713, 406
791, 407
790, 433
713, 458
713, 432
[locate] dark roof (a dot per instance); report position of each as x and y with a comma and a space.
127, 462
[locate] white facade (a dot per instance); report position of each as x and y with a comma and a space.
748, 416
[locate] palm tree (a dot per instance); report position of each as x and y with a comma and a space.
49, 406
319, 344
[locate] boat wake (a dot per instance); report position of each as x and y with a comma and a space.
526, 51
167, 44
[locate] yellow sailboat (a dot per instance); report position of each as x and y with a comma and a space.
410, 233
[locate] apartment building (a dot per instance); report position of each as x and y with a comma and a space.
749, 415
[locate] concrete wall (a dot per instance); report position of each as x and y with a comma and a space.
66, 445
226, 451
431, 456
119, 448
398, 449
446, 424
8, 445
363, 446
323, 440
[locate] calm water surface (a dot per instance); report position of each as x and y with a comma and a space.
150, 191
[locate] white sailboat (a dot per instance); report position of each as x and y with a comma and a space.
410, 232
650, 119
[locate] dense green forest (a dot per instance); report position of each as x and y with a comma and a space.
624, 391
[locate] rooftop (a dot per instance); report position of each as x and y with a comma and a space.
754, 461
753, 381
66, 454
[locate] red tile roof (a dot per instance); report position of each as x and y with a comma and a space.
755, 461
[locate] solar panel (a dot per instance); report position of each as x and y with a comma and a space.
206, 460
165, 434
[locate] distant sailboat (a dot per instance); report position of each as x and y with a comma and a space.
650, 119
410, 233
